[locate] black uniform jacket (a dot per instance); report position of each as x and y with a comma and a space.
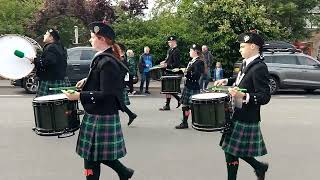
256, 81
173, 58
52, 64
193, 74
102, 92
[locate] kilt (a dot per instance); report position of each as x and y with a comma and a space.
44, 86
100, 138
245, 140
186, 94
126, 97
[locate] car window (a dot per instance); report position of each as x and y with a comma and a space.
74, 54
306, 61
267, 59
87, 54
285, 59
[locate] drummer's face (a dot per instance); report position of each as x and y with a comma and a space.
193, 53
95, 41
47, 37
247, 50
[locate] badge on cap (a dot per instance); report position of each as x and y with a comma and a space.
194, 46
246, 38
171, 38
96, 29
50, 30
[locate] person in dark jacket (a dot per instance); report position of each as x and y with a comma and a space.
100, 138
193, 72
245, 140
123, 59
51, 65
132, 66
172, 61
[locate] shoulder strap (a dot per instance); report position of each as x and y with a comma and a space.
102, 61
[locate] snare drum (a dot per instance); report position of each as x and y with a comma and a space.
209, 111
170, 84
55, 115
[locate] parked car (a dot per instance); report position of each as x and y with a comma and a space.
290, 70
79, 59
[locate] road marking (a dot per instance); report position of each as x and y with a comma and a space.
10, 95
137, 95
292, 96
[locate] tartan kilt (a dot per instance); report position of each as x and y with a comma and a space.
101, 138
126, 97
44, 86
186, 94
245, 140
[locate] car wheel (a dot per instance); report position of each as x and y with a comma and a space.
31, 84
274, 85
309, 90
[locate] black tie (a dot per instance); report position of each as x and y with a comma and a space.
244, 64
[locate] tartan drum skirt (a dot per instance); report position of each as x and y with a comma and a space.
44, 86
245, 140
101, 138
186, 95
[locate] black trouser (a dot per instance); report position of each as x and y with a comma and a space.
130, 83
92, 169
145, 76
128, 111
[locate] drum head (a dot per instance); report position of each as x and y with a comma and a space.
51, 97
208, 96
11, 66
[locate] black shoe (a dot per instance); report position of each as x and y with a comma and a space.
182, 126
147, 92
132, 118
128, 174
165, 108
262, 172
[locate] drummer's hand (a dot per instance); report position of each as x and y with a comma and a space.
74, 96
234, 92
80, 83
221, 82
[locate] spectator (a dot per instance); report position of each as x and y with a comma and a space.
218, 72
145, 63
132, 70
206, 75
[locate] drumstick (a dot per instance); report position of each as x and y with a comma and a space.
218, 88
20, 54
63, 88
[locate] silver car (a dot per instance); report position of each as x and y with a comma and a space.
290, 70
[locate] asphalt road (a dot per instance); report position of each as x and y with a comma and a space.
157, 151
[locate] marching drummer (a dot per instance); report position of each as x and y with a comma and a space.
51, 65
193, 72
172, 61
100, 138
245, 140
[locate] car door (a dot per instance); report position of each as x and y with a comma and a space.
310, 71
73, 68
85, 61
287, 67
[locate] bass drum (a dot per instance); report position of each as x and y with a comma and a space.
11, 66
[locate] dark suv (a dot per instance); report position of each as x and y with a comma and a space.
79, 59
290, 70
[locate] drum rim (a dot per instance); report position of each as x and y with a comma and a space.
52, 100
209, 99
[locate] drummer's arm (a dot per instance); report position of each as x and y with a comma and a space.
49, 58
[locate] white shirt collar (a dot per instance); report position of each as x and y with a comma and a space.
250, 59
